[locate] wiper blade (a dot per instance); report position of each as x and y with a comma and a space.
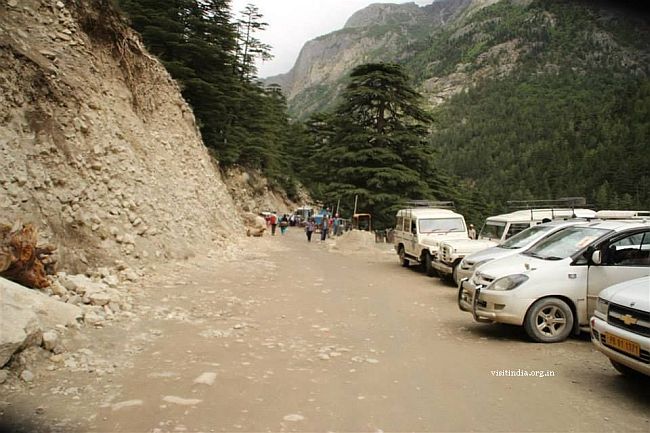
538, 256
552, 258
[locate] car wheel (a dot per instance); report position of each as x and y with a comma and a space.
454, 274
625, 370
402, 257
549, 320
427, 266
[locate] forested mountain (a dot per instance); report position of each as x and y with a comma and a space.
530, 99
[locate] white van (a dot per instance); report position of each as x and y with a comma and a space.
501, 227
419, 231
552, 288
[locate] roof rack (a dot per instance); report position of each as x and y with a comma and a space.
623, 214
570, 202
430, 203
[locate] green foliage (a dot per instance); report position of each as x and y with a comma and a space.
373, 146
212, 58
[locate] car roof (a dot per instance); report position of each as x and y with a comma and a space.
428, 213
618, 225
526, 215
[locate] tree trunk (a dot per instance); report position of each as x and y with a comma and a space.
21, 260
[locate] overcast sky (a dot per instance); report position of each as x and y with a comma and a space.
294, 22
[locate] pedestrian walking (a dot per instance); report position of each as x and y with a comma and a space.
273, 219
310, 227
284, 224
324, 229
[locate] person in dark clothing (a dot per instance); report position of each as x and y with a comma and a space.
310, 227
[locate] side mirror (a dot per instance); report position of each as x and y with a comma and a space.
596, 257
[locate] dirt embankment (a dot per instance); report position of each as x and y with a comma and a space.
97, 146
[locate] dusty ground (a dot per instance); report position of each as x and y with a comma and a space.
303, 337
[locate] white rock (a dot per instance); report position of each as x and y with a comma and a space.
25, 313
92, 319
27, 376
99, 298
181, 401
4, 375
206, 379
127, 403
294, 417
50, 340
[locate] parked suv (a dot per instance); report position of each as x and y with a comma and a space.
620, 327
551, 288
498, 228
419, 231
514, 245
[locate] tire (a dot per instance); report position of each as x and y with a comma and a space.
402, 257
454, 274
427, 266
549, 320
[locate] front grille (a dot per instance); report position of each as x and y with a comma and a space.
446, 254
630, 319
644, 354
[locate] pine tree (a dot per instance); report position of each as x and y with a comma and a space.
379, 152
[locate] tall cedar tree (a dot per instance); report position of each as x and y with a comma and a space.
379, 152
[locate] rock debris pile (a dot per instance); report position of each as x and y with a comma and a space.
97, 147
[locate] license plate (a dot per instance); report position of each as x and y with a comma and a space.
626, 346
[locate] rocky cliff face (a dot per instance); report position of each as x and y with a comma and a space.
97, 146
380, 32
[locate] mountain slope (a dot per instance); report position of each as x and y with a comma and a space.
97, 146
380, 32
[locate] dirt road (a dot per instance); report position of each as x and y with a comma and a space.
296, 337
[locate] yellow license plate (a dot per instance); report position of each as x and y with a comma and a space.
626, 346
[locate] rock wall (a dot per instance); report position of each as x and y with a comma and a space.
97, 146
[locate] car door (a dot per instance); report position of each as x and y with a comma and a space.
625, 256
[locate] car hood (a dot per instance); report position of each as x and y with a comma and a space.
517, 264
491, 253
462, 245
436, 238
634, 294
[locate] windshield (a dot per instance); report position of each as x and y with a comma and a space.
565, 243
524, 238
492, 230
437, 225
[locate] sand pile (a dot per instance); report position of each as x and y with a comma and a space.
355, 241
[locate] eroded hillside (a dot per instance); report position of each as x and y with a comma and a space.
97, 146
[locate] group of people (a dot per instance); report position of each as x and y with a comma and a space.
327, 224
274, 221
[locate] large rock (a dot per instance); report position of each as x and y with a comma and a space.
25, 314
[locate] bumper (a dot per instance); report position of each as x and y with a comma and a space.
463, 273
491, 306
600, 328
442, 267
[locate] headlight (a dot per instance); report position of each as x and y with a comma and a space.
479, 263
602, 306
508, 283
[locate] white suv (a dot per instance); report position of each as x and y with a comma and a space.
419, 231
552, 287
620, 327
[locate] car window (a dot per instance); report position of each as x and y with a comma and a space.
565, 243
525, 237
399, 224
441, 225
516, 228
492, 230
632, 250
